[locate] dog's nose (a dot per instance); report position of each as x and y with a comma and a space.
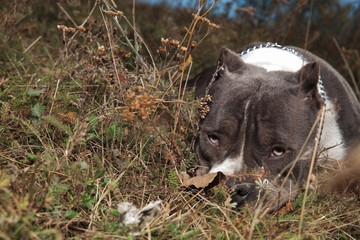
240, 191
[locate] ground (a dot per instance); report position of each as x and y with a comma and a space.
93, 113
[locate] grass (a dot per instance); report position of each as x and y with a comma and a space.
94, 116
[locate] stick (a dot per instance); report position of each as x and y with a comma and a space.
311, 168
348, 68
32, 44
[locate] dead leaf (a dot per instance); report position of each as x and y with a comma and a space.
206, 181
183, 176
68, 117
287, 208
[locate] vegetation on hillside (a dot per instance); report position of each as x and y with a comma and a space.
93, 113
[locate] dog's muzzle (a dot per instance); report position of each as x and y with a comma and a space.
243, 190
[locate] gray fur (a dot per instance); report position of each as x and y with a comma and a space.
282, 107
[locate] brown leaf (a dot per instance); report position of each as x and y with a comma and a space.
68, 117
206, 181
287, 208
183, 176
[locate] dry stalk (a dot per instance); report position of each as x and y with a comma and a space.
65, 50
317, 139
32, 44
134, 48
266, 210
112, 50
67, 14
228, 220
348, 68
77, 137
293, 121
187, 55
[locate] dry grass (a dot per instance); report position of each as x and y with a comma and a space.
93, 115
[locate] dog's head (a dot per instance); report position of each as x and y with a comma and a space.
258, 119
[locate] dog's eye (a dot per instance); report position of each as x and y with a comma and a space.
277, 152
214, 140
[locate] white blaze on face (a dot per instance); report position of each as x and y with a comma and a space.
229, 167
232, 165
274, 59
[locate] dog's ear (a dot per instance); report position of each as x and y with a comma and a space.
230, 60
309, 76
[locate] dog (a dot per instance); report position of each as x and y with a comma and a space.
276, 110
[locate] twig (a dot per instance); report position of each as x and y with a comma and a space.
311, 168
187, 55
163, 175
186, 82
298, 103
138, 56
135, 35
112, 50
348, 68
56, 89
66, 13
293, 163
15, 67
84, 22
67, 44
308, 27
32, 44
13, 160
255, 219
294, 117
228, 220
73, 36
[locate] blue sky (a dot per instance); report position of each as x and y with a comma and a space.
219, 8
355, 3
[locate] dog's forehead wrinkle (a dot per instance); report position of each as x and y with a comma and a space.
263, 139
220, 125
270, 98
246, 85
263, 131
230, 103
224, 119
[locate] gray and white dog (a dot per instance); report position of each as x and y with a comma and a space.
264, 114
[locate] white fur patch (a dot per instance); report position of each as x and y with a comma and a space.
274, 59
331, 142
233, 165
229, 167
